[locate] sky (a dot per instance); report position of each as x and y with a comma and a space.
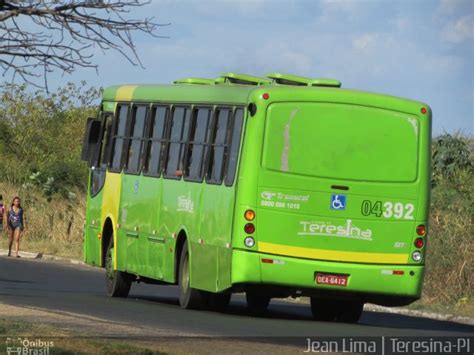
418, 49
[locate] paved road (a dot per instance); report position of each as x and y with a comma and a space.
80, 289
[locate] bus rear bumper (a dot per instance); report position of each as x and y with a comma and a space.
371, 282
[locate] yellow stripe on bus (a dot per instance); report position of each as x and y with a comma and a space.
110, 204
125, 93
323, 254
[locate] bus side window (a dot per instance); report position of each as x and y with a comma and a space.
119, 137
197, 145
178, 137
236, 132
98, 175
137, 127
106, 138
218, 147
155, 145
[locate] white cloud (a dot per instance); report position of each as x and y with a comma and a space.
401, 23
459, 31
365, 42
450, 7
282, 56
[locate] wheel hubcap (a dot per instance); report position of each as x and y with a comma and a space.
109, 268
185, 276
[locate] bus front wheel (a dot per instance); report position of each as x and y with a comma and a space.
257, 303
189, 298
118, 283
336, 310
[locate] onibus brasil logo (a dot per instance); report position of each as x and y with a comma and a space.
20, 346
349, 230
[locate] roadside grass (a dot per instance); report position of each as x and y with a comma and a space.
64, 341
449, 279
461, 309
54, 227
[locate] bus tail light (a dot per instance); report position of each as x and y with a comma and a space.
249, 228
249, 242
416, 256
266, 96
419, 243
424, 110
249, 215
421, 230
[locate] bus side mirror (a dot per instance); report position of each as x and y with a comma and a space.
91, 140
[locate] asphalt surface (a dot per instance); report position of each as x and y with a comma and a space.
81, 289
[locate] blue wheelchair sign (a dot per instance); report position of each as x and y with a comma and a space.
338, 202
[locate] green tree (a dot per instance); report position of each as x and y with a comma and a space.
43, 132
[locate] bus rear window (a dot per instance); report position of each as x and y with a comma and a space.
341, 141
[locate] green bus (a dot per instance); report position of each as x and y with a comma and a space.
275, 186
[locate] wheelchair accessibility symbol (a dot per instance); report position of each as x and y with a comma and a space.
338, 202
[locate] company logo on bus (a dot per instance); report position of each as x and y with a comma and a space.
349, 230
266, 195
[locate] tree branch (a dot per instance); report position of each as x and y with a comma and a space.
61, 34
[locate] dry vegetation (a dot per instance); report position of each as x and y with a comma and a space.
54, 227
449, 280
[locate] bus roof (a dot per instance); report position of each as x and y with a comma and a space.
234, 93
235, 88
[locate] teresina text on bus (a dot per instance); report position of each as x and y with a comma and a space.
349, 230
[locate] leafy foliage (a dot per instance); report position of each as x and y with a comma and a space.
41, 136
450, 260
450, 155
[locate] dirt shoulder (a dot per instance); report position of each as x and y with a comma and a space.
76, 333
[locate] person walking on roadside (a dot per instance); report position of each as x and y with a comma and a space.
15, 225
3, 225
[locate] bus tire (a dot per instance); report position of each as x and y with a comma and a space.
335, 310
219, 301
118, 283
257, 303
323, 309
350, 312
189, 298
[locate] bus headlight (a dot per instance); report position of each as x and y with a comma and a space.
249, 242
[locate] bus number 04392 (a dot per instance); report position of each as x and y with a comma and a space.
397, 210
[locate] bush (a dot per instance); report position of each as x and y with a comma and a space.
450, 251
450, 260
450, 155
43, 133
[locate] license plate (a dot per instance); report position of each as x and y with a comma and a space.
331, 279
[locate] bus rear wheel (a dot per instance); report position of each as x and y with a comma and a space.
189, 298
219, 301
257, 303
118, 283
336, 310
